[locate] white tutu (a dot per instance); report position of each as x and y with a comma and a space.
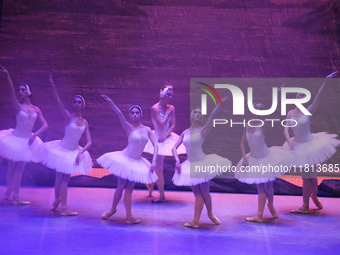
16, 148
63, 160
137, 170
262, 170
165, 147
316, 151
207, 168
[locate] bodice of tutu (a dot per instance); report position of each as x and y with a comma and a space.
257, 144
161, 131
24, 124
137, 142
193, 142
301, 131
73, 133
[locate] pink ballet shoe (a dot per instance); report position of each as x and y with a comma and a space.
191, 225
159, 200
20, 202
108, 214
214, 219
132, 221
254, 219
55, 205
317, 202
68, 213
272, 210
301, 210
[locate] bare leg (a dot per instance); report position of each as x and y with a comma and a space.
63, 195
306, 192
269, 189
10, 174
314, 190
116, 198
128, 201
57, 184
199, 202
261, 202
160, 181
150, 187
208, 202
16, 181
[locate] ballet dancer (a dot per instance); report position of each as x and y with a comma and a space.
65, 156
18, 145
310, 149
128, 165
261, 156
163, 119
193, 138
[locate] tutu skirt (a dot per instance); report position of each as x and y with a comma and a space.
197, 172
137, 170
16, 148
262, 170
316, 151
165, 147
63, 160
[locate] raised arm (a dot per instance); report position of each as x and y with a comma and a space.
13, 97
126, 125
155, 151
41, 129
312, 108
88, 142
207, 127
174, 152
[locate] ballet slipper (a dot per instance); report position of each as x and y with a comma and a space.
159, 200
108, 214
191, 225
272, 210
6, 197
254, 219
214, 219
132, 221
55, 205
20, 202
301, 210
317, 202
68, 213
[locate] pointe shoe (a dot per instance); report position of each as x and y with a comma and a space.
159, 200
317, 202
301, 210
214, 219
108, 214
55, 205
254, 219
68, 213
132, 221
272, 210
20, 202
191, 225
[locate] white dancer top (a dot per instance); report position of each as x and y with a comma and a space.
257, 145
195, 140
137, 142
24, 124
73, 133
301, 131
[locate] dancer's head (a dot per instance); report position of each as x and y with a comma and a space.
135, 113
196, 114
24, 91
78, 103
300, 95
258, 106
166, 93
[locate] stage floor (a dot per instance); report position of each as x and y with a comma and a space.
34, 229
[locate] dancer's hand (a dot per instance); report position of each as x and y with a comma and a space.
50, 79
31, 140
152, 167
106, 98
78, 158
178, 167
333, 74
3, 70
162, 139
169, 109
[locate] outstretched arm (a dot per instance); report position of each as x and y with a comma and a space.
123, 122
88, 142
61, 107
155, 151
207, 127
41, 129
312, 108
14, 100
174, 152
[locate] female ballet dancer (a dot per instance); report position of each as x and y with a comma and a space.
128, 165
65, 156
193, 138
310, 149
163, 119
18, 145
261, 156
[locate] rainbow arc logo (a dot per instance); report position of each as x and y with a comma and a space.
204, 97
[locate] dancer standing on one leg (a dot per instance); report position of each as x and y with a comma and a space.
66, 157
310, 149
261, 157
18, 145
163, 119
128, 165
193, 139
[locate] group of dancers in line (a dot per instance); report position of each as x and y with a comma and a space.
66, 157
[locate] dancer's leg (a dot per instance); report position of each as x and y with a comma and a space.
269, 189
160, 181
261, 202
204, 187
57, 184
128, 201
10, 174
314, 190
16, 181
63, 195
199, 202
306, 192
